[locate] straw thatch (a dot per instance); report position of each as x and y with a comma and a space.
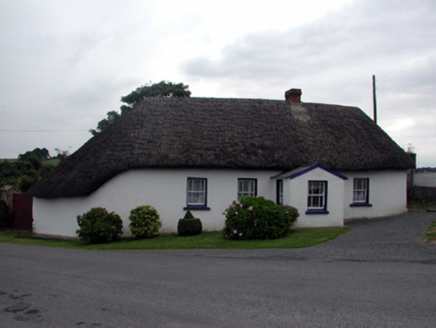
227, 134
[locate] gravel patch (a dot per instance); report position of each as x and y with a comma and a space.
389, 239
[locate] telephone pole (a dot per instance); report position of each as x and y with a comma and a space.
374, 98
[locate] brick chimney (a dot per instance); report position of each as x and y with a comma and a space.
293, 96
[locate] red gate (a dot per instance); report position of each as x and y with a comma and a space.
23, 218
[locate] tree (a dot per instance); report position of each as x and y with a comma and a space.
27, 170
41, 154
22, 174
104, 123
161, 89
35, 161
27, 181
9, 172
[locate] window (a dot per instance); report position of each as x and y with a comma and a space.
360, 192
279, 192
317, 197
247, 187
196, 194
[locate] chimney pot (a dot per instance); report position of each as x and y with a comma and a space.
293, 96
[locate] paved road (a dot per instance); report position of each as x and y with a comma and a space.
378, 275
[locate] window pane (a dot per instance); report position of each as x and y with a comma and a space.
196, 198
316, 194
246, 188
197, 185
280, 192
360, 190
359, 195
196, 192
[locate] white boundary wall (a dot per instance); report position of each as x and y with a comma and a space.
425, 179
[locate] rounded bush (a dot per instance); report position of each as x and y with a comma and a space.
258, 218
98, 226
5, 216
144, 222
189, 226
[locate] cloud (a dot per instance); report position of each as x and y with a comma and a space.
376, 37
67, 63
333, 59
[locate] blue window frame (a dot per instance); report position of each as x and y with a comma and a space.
360, 192
247, 187
279, 192
196, 194
317, 197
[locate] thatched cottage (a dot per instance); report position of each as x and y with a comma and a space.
330, 162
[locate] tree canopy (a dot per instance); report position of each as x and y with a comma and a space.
104, 123
27, 170
161, 89
41, 154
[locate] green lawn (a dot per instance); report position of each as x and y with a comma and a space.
429, 234
51, 161
206, 240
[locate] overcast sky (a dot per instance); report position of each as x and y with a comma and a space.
65, 64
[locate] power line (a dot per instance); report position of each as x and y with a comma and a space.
43, 131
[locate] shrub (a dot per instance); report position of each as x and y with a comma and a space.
5, 216
291, 212
144, 222
188, 215
27, 181
258, 218
98, 226
189, 226
35, 161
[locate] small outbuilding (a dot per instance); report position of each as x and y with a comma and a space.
330, 162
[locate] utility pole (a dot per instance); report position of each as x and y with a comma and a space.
374, 98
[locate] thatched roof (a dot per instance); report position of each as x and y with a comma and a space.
225, 134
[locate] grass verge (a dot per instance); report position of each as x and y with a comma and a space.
206, 240
429, 234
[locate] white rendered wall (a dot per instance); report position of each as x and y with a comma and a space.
163, 189
296, 192
425, 179
166, 190
387, 194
